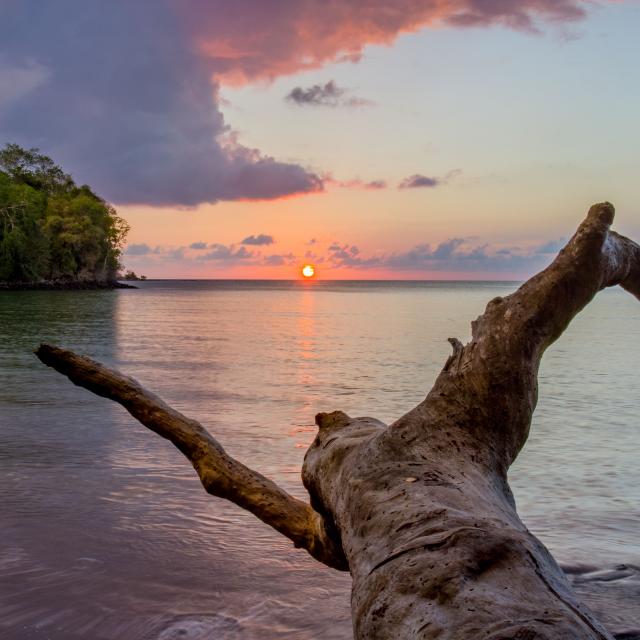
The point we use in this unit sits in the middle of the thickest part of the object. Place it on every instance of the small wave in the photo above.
(612, 593)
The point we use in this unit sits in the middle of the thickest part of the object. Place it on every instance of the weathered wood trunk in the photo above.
(420, 512)
(432, 538)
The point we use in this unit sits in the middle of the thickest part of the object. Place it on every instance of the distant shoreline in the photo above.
(53, 285)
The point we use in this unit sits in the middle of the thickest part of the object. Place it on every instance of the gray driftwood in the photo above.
(420, 512)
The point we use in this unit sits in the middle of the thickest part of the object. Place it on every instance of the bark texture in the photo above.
(420, 512)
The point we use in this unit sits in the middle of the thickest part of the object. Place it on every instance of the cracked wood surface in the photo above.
(420, 512)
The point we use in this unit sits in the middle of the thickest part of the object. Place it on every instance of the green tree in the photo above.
(30, 167)
(49, 227)
(23, 245)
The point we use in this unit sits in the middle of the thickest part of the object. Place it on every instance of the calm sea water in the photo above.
(105, 532)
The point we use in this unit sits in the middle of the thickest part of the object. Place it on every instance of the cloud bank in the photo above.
(456, 255)
(462, 256)
(115, 92)
(125, 94)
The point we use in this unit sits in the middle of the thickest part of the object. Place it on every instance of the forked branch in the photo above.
(220, 474)
(492, 380)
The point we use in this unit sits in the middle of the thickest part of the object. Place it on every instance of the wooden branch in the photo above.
(220, 474)
(541, 309)
(494, 377)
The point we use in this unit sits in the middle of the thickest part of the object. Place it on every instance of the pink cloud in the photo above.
(250, 40)
(356, 183)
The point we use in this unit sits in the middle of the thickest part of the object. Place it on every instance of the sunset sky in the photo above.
(373, 139)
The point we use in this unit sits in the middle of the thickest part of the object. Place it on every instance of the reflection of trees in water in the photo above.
(85, 319)
(54, 444)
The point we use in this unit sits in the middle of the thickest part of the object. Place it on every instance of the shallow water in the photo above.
(106, 532)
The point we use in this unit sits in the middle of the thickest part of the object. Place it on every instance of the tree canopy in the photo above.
(50, 228)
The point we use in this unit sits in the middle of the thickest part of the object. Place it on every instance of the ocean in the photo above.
(106, 532)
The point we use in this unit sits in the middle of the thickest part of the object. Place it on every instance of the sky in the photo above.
(393, 139)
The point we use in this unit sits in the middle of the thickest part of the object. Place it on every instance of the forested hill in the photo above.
(51, 230)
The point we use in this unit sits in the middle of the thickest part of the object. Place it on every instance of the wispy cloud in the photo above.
(418, 181)
(356, 183)
(278, 260)
(226, 253)
(325, 95)
(138, 250)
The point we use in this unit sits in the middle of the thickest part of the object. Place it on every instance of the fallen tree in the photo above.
(420, 512)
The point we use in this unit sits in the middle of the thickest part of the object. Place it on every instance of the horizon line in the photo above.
(312, 281)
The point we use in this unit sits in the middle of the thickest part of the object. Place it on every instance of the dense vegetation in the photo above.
(52, 230)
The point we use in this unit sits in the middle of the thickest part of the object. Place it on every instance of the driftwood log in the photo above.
(420, 512)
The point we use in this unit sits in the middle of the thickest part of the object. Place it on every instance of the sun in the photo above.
(308, 271)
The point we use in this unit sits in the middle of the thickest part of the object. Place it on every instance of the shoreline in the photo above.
(52, 285)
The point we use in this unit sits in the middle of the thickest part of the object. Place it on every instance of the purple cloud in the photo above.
(356, 183)
(418, 181)
(259, 240)
(116, 93)
(227, 253)
(138, 250)
(454, 254)
(279, 260)
(125, 94)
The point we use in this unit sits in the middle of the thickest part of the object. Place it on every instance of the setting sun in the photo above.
(308, 271)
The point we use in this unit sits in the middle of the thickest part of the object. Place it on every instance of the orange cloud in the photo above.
(250, 40)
